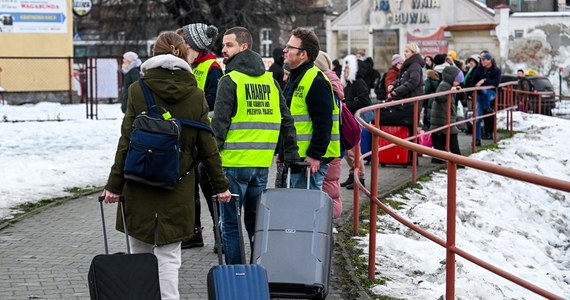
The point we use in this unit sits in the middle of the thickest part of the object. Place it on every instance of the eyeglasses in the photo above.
(289, 47)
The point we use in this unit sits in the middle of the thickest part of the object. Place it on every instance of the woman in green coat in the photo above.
(158, 219)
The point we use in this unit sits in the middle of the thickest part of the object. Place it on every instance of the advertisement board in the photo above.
(33, 16)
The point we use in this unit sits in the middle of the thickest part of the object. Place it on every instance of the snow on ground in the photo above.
(40, 160)
(519, 227)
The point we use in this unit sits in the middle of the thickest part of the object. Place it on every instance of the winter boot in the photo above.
(195, 240)
(351, 186)
(349, 180)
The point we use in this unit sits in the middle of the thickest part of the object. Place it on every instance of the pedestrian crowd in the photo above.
(261, 118)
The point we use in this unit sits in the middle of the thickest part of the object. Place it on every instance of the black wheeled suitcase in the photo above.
(232, 282)
(123, 276)
(294, 241)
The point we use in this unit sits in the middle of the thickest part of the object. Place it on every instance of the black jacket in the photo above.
(410, 80)
(491, 75)
(277, 67)
(356, 93)
(132, 76)
(320, 107)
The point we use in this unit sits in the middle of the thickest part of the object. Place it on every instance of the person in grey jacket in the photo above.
(250, 114)
(452, 78)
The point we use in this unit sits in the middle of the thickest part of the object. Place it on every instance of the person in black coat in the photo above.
(277, 67)
(356, 92)
(337, 68)
(356, 96)
(409, 84)
(131, 72)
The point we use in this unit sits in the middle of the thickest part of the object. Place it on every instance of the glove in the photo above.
(296, 165)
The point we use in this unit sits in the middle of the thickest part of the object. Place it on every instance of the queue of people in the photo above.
(251, 118)
(258, 117)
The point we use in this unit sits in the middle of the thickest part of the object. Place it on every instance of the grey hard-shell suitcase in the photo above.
(294, 242)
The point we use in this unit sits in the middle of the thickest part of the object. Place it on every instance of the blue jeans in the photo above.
(299, 180)
(248, 183)
(484, 98)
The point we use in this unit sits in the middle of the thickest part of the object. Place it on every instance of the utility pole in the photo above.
(348, 4)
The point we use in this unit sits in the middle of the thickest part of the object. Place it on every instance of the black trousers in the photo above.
(438, 139)
(203, 182)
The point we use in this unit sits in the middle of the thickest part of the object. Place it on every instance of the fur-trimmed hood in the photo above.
(351, 60)
(432, 74)
(165, 61)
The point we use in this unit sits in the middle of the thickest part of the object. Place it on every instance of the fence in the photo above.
(59, 79)
(508, 100)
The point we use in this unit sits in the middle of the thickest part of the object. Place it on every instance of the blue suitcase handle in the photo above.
(218, 236)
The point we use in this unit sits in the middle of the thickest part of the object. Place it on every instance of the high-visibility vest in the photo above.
(254, 130)
(303, 122)
(201, 72)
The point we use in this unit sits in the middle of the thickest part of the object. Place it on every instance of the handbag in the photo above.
(349, 128)
(425, 140)
(460, 112)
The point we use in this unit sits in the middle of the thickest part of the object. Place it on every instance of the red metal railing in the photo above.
(505, 101)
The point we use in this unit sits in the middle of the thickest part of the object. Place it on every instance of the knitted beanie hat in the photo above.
(396, 59)
(487, 56)
(323, 61)
(459, 77)
(199, 36)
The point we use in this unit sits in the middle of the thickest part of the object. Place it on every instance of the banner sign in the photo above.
(432, 44)
(33, 16)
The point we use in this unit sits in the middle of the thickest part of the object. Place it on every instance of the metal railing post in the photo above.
(450, 241)
(356, 193)
(373, 206)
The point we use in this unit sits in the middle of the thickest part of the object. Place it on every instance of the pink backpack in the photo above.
(349, 128)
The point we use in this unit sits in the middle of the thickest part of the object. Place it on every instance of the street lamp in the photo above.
(348, 26)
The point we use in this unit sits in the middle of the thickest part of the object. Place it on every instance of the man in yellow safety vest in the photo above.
(250, 115)
(310, 97)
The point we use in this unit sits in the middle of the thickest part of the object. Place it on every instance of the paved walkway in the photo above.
(47, 255)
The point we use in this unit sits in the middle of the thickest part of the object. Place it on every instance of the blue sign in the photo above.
(37, 17)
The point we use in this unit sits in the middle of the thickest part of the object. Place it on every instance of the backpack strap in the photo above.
(149, 99)
(196, 124)
(185, 122)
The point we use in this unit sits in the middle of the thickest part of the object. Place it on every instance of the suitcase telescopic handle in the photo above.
(217, 234)
(307, 166)
(122, 205)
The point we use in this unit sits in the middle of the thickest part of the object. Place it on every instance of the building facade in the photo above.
(538, 40)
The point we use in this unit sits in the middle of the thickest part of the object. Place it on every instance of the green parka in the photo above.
(173, 88)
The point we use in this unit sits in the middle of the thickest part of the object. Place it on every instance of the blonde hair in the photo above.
(413, 47)
(170, 42)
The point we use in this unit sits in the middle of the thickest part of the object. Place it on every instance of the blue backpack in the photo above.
(153, 157)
